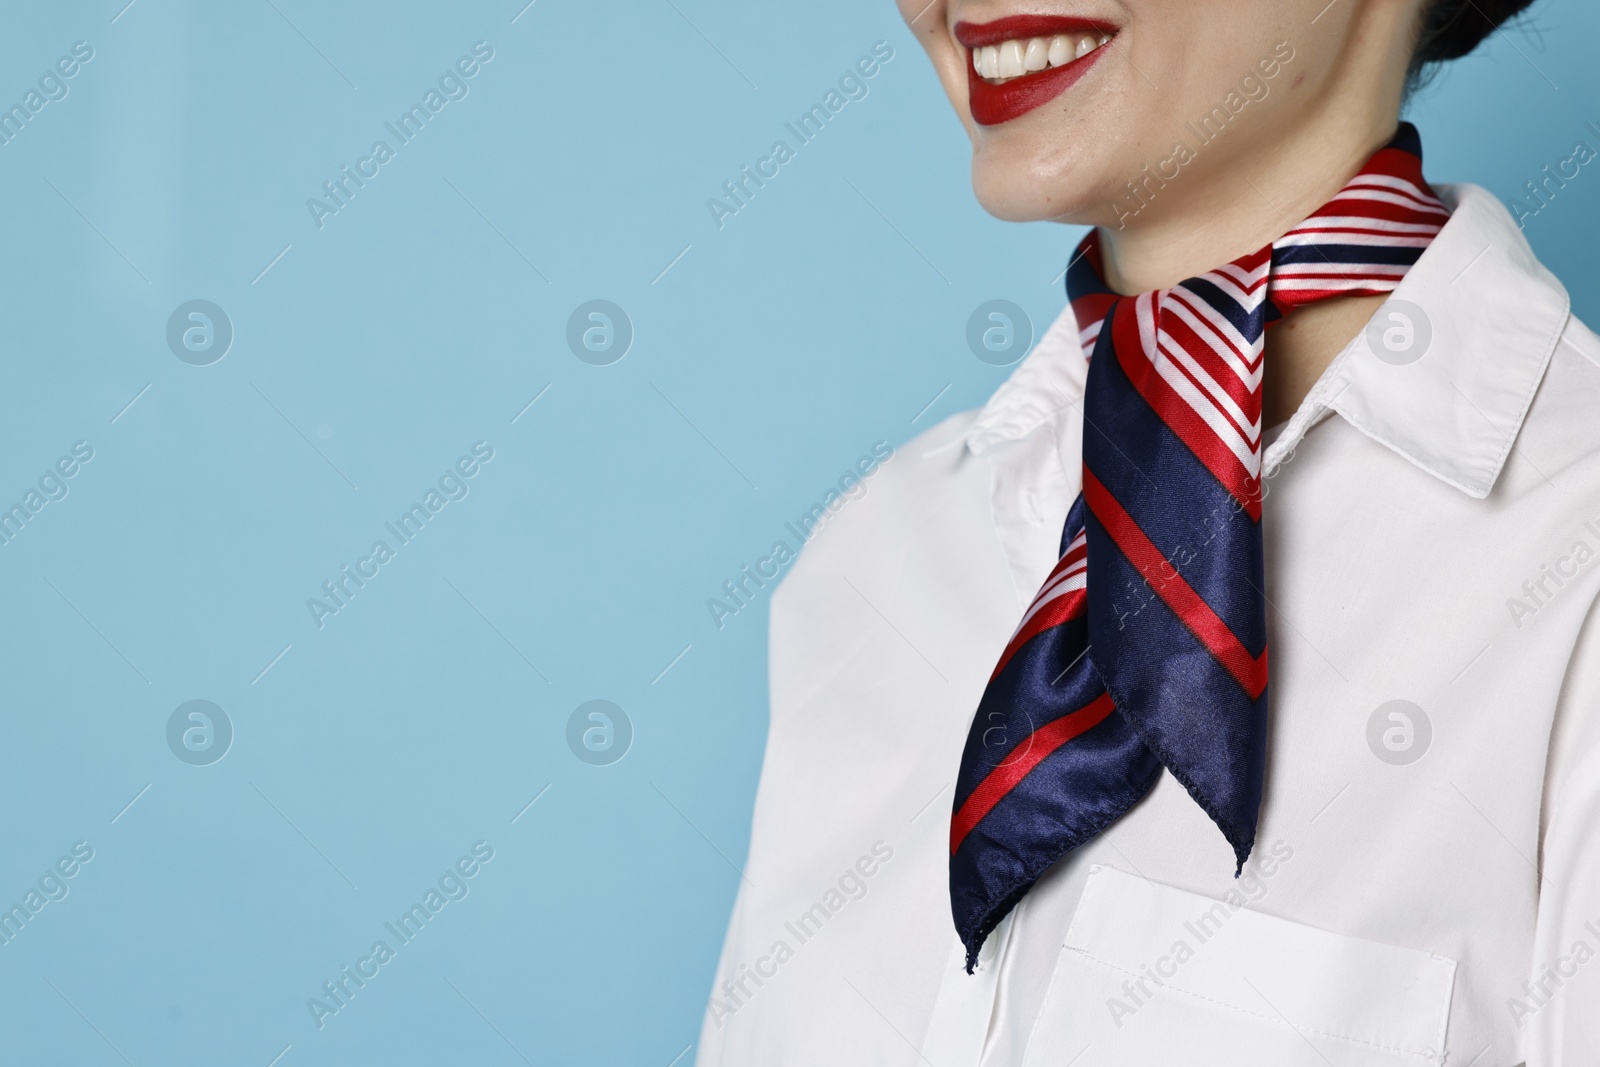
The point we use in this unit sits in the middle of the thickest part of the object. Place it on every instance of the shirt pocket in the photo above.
(1150, 974)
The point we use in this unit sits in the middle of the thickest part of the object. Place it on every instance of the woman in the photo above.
(1329, 410)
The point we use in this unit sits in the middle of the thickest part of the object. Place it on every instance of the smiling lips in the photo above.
(1018, 63)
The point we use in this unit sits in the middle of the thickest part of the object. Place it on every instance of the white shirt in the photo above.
(1392, 911)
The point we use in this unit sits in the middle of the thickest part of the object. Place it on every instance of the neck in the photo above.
(1253, 199)
(1244, 193)
(1242, 213)
(1245, 209)
(1300, 347)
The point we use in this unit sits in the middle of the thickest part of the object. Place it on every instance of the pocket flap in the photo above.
(1320, 982)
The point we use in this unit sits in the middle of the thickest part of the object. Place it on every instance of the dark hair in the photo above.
(1452, 28)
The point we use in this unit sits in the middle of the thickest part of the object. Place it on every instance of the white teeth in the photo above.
(1012, 59)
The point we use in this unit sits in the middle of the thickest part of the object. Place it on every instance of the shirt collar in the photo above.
(1049, 380)
(1493, 315)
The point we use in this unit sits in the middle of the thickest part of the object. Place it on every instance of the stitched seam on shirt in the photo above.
(1328, 387)
(1449, 991)
(1419, 461)
(1538, 380)
(1431, 1056)
(1510, 436)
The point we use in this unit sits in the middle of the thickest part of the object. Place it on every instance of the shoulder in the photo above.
(871, 522)
(940, 482)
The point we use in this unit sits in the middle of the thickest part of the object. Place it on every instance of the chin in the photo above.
(1022, 182)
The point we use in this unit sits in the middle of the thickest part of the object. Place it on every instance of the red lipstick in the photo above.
(993, 104)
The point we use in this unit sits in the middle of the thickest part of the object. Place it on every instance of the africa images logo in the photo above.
(741, 590)
(452, 86)
(740, 190)
(453, 885)
(453, 485)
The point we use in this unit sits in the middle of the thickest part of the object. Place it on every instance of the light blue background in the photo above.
(822, 318)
